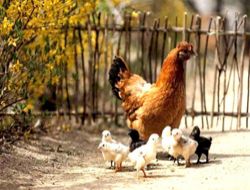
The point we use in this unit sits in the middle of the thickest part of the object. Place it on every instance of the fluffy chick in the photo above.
(143, 155)
(114, 151)
(204, 143)
(182, 146)
(107, 137)
(135, 140)
(167, 139)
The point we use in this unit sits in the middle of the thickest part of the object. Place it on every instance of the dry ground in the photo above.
(71, 161)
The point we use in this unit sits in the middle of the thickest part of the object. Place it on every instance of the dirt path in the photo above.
(71, 161)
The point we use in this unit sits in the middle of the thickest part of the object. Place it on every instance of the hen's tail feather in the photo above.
(118, 66)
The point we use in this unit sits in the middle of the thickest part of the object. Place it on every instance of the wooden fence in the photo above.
(217, 80)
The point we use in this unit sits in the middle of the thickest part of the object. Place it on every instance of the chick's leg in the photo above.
(144, 173)
(198, 160)
(188, 162)
(118, 167)
(206, 153)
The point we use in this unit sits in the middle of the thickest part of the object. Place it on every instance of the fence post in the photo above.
(66, 75)
(142, 28)
(76, 76)
(217, 24)
(184, 38)
(165, 35)
(204, 68)
(90, 76)
(84, 102)
(241, 74)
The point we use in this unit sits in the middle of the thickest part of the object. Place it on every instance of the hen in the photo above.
(150, 107)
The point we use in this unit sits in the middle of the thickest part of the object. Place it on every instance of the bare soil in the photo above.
(70, 160)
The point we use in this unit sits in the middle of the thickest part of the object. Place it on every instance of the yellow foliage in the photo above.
(55, 80)
(28, 108)
(16, 67)
(6, 26)
(12, 41)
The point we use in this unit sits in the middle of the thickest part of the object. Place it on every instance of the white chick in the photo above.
(167, 139)
(114, 151)
(182, 146)
(143, 155)
(107, 137)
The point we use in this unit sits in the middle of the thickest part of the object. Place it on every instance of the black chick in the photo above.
(204, 143)
(135, 140)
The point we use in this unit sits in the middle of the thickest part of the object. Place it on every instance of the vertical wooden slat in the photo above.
(184, 38)
(224, 66)
(156, 48)
(106, 42)
(165, 35)
(204, 69)
(240, 90)
(84, 102)
(234, 66)
(175, 33)
(118, 53)
(112, 103)
(76, 77)
(126, 26)
(129, 38)
(198, 62)
(90, 70)
(66, 76)
(142, 26)
(97, 63)
(217, 25)
(190, 28)
(248, 88)
(184, 32)
(150, 52)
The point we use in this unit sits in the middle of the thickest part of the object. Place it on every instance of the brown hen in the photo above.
(150, 107)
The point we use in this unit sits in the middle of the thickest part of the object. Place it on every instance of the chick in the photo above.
(135, 140)
(182, 146)
(167, 141)
(114, 151)
(107, 137)
(204, 143)
(143, 155)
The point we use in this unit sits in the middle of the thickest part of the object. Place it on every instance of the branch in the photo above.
(10, 104)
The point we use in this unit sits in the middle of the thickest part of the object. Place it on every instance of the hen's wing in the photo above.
(127, 86)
